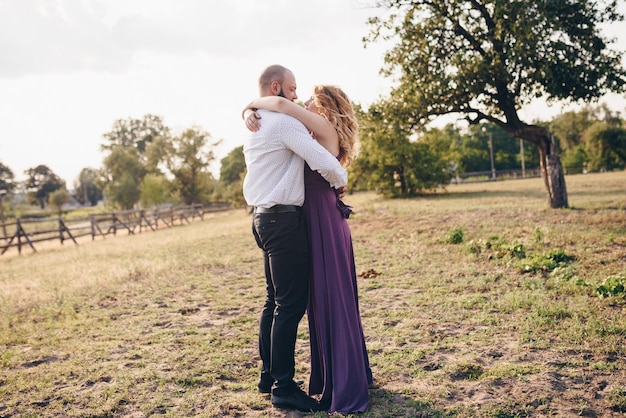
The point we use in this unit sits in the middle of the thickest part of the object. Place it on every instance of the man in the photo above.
(274, 186)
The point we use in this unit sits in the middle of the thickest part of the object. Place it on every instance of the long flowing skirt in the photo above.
(340, 369)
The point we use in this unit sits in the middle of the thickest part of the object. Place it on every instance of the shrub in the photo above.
(455, 236)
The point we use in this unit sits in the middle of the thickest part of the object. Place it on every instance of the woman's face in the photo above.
(310, 105)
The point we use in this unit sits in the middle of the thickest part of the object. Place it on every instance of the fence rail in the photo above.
(29, 231)
(478, 176)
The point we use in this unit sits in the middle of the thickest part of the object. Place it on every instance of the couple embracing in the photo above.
(296, 159)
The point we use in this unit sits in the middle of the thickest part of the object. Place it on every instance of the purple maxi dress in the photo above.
(340, 369)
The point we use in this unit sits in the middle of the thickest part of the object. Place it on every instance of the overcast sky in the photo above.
(70, 68)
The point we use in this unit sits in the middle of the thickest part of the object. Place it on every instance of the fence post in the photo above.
(60, 228)
(19, 232)
(19, 236)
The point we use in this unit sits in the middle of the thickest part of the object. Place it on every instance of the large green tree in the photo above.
(120, 177)
(568, 127)
(486, 59)
(390, 162)
(58, 198)
(189, 161)
(128, 158)
(605, 147)
(86, 188)
(135, 133)
(156, 189)
(41, 181)
(590, 138)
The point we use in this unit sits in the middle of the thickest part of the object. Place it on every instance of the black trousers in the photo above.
(284, 241)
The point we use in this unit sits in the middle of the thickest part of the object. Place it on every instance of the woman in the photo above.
(340, 370)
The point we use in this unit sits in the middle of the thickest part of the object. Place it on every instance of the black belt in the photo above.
(277, 209)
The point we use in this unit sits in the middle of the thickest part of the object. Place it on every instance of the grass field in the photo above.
(476, 302)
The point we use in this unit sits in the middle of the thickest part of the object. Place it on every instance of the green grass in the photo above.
(476, 302)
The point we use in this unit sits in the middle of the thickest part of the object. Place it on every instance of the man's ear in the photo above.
(275, 88)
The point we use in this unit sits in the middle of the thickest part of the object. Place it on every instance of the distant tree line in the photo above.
(396, 162)
(145, 165)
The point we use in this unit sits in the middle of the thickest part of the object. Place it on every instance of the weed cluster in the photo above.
(613, 286)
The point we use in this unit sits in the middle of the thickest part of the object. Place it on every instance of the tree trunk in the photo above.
(553, 175)
(400, 178)
(551, 168)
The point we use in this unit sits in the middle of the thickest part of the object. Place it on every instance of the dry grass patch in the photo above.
(477, 302)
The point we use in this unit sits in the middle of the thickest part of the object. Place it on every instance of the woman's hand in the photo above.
(251, 119)
(341, 192)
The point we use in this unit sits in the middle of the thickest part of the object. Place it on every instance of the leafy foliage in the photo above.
(568, 128)
(7, 184)
(232, 173)
(156, 189)
(612, 286)
(524, 259)
(390, 162)
(546, 262)
(233, 166)
(126, 162)
(140, 147)
(455, 236)
(86, 188)
(487, 58)
(189, 164)
(593, 137)
(121, 177)
(135, 133)
(498, 248)
(605, 147)
(41, 182)
(7, 180)
(58, 198)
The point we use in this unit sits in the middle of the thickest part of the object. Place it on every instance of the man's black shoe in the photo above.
(325, 403)
(297, 400)
(265, 387)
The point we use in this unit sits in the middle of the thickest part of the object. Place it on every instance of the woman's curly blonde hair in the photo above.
(335, 105)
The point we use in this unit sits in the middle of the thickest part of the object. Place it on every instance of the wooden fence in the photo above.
(478, 176)
(29, 231)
